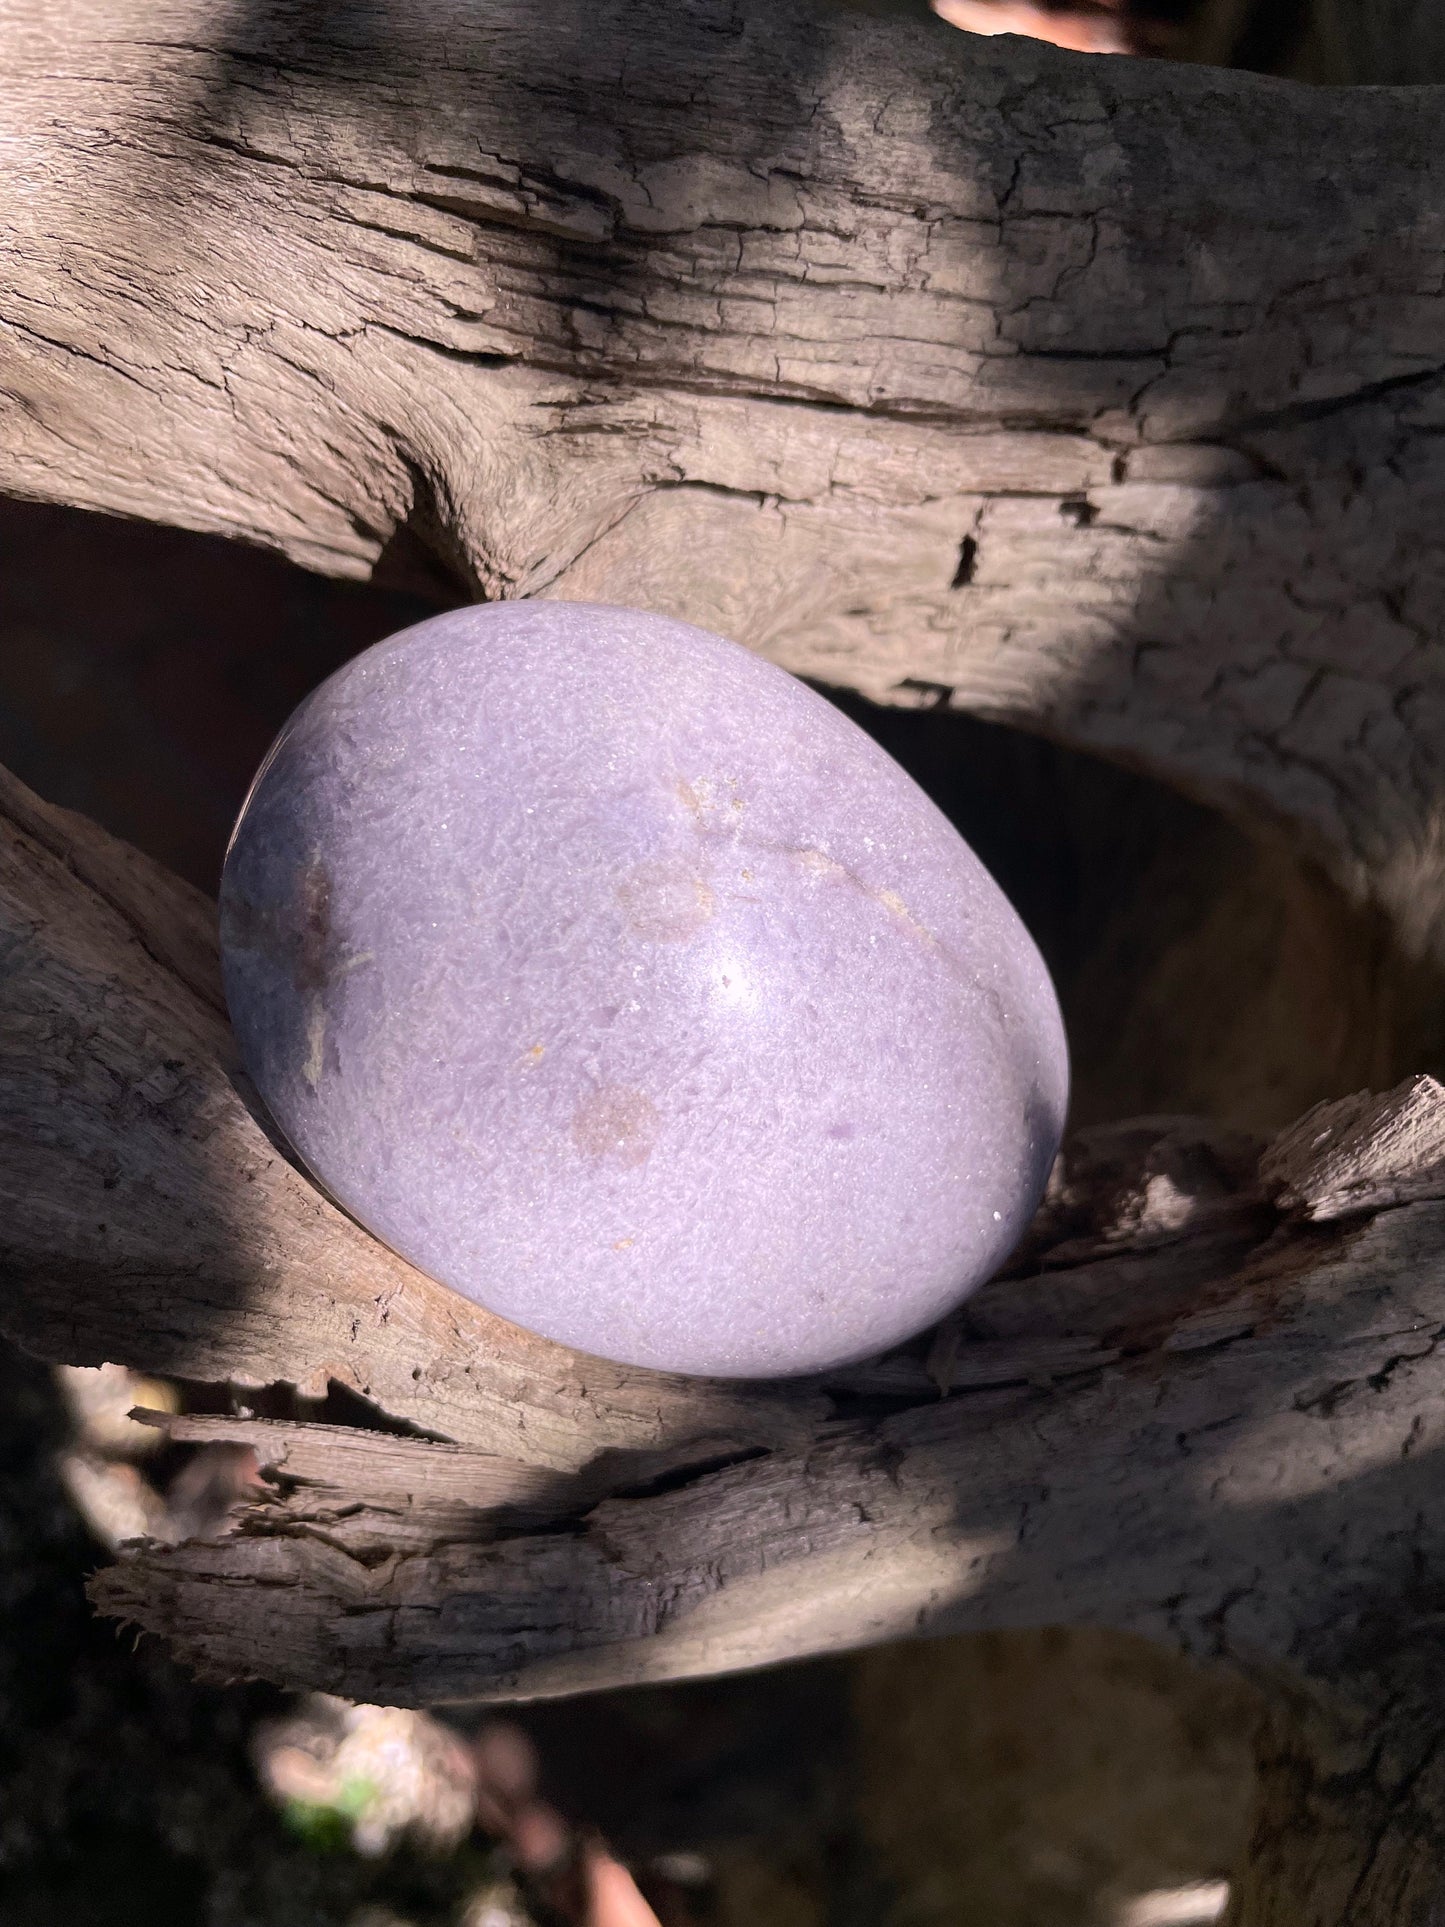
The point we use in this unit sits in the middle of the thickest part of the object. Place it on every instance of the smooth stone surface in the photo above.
(615, 979)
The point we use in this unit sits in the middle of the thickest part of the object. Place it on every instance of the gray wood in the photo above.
(1098, 396)
(1247, 1467)
(787, 321)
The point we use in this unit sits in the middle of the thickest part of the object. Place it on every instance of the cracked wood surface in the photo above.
(1077, 392)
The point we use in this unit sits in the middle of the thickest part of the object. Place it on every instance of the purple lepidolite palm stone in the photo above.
(619, 982)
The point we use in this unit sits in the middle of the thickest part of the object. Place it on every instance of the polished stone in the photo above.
(619, 982)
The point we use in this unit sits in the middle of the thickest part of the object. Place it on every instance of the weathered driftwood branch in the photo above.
(1197, 1430)
(1093, 394)
(1206, 1404)
(1097, 396)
